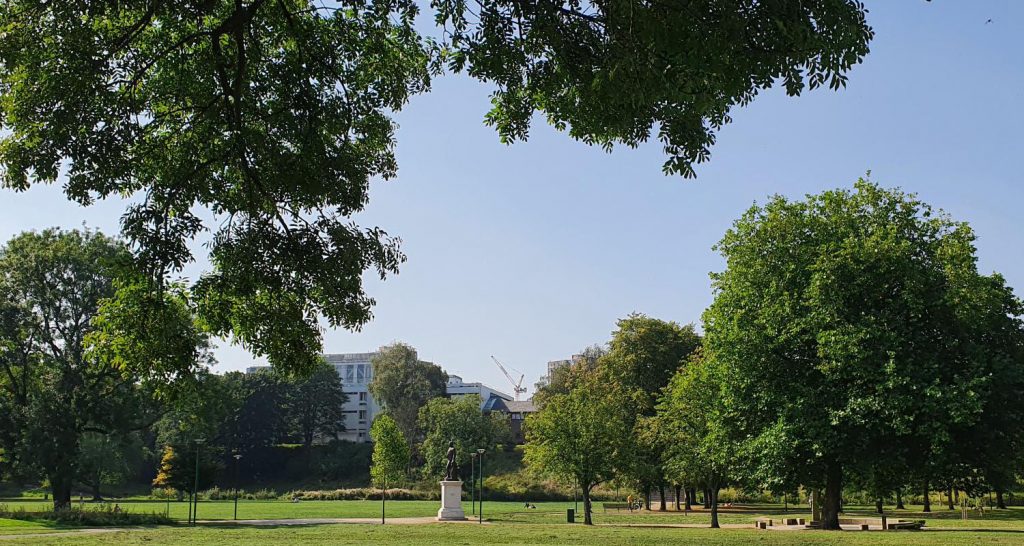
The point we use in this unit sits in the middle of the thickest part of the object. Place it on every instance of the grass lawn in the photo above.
(511, 523)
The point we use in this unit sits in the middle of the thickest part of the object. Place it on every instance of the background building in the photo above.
(356, 372)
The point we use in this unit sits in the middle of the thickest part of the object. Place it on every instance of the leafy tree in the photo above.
(703, 449)
(390, 455)
(274, 117)
(54, 288)
(563, 378)
(444, 420)
(402, 384)
(316, 405)
(643, 355)
(581, 435)
(839, 322)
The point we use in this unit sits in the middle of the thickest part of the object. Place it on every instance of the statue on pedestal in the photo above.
(451, 489)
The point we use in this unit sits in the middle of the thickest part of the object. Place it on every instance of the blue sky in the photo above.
(532, 252)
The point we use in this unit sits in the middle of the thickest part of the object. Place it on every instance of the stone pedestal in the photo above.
(451, 502)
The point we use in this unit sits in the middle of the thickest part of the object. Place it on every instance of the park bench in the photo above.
(614, 506)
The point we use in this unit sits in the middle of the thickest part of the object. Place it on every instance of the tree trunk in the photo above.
(587, 508)
(927, 499)
(679, 490)
(833, 497)
(60, 485)
(661, 491)
(878, 506)
(707, 498)
(688, 501)
(949, 497)
(96, 496)
(899, 500)
(1000, 502)
(647, 498)
(714, 506)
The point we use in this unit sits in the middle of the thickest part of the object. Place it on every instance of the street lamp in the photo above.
(195, 486)
(237, 456)
(480, 452)
(472, 481)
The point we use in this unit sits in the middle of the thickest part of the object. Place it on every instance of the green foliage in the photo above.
(402, 384)
(107, 516)
(316, 405)
(274, 116)
(610, 72)
(703, 448)
(848, 324)
(271, 118)
(582, 435)
(645, 353)
(390, 452)
(54, 287)
(444, 420)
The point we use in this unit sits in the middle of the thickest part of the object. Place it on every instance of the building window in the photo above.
(362, 415)
(360, 374)
(362, 397)
(349, 374)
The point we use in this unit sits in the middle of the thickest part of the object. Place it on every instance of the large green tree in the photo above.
(265, 120)
(644, 353)
(582, 435)
(402, 384)
(702, 445)
(62, 377)
(841, 321)
(316, 406)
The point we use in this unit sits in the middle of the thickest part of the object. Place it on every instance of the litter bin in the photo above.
(570, 515)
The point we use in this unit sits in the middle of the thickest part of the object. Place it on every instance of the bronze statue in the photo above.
(451, 470)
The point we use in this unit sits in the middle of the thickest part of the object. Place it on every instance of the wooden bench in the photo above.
(614, 506)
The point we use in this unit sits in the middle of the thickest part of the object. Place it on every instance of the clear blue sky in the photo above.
(531, 252)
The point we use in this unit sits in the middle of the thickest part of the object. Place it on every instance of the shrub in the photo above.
(105, 516)
(362, 493)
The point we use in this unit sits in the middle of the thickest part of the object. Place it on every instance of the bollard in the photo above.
(570, 516)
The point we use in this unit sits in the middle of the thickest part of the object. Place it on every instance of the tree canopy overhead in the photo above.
(272, 116)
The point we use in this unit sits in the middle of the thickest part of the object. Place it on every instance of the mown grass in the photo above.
(510, 522)
(468, 534)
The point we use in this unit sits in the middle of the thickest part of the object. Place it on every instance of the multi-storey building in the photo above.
(356, 372)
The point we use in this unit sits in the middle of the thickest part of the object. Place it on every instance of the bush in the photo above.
(106, 516)
(362, 493)
(164, 493)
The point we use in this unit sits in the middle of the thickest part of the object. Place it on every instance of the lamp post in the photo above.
(480, 452)
(195, 486)
(472, 481)
(237, 456)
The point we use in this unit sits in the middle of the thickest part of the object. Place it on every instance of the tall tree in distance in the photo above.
(390, 455)
(222, 106)
(316, 406)
(643, 355)
(402, 384)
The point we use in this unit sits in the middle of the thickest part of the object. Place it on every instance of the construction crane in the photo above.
(517, 386)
